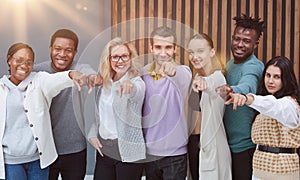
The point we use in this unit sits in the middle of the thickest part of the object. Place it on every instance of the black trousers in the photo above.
(242, 165)
(70, 166)
(111, 169)
(169, 167)
(193, 154)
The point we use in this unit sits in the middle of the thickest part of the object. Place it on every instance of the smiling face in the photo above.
(163, 49)
(272, 79)
(243, 43)
(120, 60)
(200, 53)
(21, 64)
(62, 53)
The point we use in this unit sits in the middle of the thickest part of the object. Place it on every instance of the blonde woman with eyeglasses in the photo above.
(117, 132)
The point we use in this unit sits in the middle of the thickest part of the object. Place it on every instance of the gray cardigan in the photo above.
(128, 114)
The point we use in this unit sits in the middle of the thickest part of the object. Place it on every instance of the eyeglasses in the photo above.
(124, 57)
(21, 61)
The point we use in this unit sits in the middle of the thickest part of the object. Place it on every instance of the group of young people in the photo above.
(141, 123)
(261, 120)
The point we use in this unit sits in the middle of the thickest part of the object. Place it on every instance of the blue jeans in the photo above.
(26, 171)
(170, 167)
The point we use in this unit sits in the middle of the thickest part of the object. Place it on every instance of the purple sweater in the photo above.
(164, 121)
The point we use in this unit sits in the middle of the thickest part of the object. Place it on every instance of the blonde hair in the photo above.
(105, 69)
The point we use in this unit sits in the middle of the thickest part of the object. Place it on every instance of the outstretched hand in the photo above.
(199, 84)
(126, 87)
(236, 100)
(167, 69)
(224, 91)
(93, 81)
(79, 79)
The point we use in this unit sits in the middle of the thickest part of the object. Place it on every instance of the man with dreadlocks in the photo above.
(243, 74)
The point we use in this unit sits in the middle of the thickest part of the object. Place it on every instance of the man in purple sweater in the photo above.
(164, 122)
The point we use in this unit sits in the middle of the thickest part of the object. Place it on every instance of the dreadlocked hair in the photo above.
(250, 23)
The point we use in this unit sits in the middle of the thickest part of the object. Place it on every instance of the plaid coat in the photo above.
(269, 132)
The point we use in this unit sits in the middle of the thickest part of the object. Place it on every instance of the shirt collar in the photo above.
(152, 73)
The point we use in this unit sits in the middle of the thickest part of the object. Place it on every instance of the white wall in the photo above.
(34, 21)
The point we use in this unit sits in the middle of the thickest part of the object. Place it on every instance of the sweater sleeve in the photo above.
(138, 89)
(94, 129)
(213, 81)
(93, 132)
(52, 84)
(250, 77)
(283, 110)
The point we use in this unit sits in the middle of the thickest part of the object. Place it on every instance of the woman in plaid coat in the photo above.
(276, 130)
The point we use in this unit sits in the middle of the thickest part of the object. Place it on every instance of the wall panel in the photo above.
(214, 17)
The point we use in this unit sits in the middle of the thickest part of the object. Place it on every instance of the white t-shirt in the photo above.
(107, 126)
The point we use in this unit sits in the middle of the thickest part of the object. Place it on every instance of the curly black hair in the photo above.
(249, 22)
